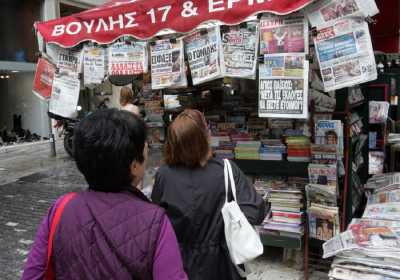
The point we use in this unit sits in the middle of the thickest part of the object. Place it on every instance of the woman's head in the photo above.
(126, 96)
(110, 150)
(188, 140)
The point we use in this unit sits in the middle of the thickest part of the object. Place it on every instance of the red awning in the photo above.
(143, 19)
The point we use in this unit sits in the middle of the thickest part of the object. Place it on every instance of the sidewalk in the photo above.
(30, 181)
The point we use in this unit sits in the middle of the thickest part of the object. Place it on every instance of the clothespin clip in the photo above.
(370, 20)
(203, 32)
(314, 32)
(243, 25)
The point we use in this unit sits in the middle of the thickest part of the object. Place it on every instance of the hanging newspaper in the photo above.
(203, 51)
(283, 34)
(167, 64)
(67, 61)
(127, 59)
(345, 54)
(239, 51)
(94, 65)
(328, 11)
(283, 87)
(64, 96)
(44, 75)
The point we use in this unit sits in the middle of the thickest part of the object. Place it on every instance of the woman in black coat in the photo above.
(191, 189)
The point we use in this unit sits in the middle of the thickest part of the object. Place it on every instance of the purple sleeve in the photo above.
(36, 264)
(168, 262)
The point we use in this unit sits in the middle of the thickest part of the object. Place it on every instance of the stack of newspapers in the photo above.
(370, 247)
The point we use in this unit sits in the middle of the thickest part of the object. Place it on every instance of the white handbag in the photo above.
(243, 241)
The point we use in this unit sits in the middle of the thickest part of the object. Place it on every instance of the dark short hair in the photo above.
(187, 140)
(105, 145)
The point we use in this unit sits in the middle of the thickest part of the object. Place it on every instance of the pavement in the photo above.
(31, 180)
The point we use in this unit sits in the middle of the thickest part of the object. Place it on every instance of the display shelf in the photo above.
(278, 168)
(280, 241)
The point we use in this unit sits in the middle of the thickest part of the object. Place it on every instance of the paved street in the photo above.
(30, 181)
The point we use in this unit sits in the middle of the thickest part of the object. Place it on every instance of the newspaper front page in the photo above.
(66, 60)
(94, 65)
(127, 59)
(239, 51)
(283, 34)
(203, 53)
(167, 64)
(374, 236)
(345, 54)
(328, 11)
(64, 96)
(283, 86)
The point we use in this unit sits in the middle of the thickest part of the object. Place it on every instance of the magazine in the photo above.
(330, 132)
(203, 53)
(167, 64)
(283, 86)
(94, 65)
(324, 154)
(321, 195)
(323, 174)
(64, 95)
(345, 54)
(378, 111)
(127, 58)
(323, 222)
(376, 162)
(283, 34)
(328, 11)
(156, 134)
(355, 95)
(239, 50)
(171, 101)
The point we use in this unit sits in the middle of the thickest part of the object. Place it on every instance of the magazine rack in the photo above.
(281, 168)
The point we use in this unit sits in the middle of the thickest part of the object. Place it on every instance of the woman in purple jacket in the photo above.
(110, 231)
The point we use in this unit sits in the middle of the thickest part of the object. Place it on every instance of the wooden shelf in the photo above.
(276, 168)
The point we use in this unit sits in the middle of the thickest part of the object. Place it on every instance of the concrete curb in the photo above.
(6, 149)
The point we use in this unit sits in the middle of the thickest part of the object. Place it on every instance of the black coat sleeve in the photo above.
(250, 202)
(157, 193)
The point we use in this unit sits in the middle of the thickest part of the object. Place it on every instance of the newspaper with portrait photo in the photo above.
(283, 34)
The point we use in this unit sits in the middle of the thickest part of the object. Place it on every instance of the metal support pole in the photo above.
(51, 137)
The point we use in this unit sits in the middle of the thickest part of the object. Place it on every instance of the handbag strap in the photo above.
(49, 275)
(228, 175)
